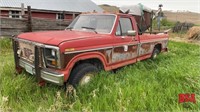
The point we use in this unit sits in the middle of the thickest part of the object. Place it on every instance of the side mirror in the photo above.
(131, 33)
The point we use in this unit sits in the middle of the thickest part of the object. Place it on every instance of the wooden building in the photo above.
(50, 9)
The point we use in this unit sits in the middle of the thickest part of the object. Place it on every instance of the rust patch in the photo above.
(108, 54)
(121, 49)
(122, 54)
(146, 46)
(135, 48)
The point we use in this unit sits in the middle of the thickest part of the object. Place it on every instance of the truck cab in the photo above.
(92, 42)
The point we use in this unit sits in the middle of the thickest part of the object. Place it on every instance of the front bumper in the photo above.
(46, 74)
(53, 77)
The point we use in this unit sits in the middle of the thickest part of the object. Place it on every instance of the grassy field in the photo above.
(144, 86)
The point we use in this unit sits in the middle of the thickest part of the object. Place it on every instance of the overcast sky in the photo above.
(187, 5)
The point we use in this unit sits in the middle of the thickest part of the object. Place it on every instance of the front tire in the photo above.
(82, 74)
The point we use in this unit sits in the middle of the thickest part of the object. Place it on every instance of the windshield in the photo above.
(95, 23)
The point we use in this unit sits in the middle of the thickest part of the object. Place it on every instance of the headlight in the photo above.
(52, 56)
(53, 53)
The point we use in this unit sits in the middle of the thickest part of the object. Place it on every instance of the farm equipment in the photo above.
(143, 16)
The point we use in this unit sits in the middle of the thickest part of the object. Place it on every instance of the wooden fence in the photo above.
(13, 26)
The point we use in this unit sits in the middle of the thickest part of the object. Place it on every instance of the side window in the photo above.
(124, 26)
(60, 16)
(14, 14)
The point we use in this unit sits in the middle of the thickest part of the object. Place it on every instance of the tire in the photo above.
(82, 74)
(155, 53)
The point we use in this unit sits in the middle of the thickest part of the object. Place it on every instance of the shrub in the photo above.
(165, 24)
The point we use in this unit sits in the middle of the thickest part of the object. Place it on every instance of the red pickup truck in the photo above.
(90, 43)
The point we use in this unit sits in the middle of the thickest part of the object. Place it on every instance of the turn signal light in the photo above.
(53, 62)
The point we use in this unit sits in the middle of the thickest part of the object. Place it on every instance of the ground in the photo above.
(145, 86)
(182, 37)
(183, 17)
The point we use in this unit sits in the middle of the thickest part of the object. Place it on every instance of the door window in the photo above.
(124, 26)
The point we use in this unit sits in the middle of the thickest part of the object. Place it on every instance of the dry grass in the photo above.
(194, 33)
(182, 37)
(108, 8)
(183, 17)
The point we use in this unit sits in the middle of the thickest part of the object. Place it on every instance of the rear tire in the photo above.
(155, 53)
(82, 74)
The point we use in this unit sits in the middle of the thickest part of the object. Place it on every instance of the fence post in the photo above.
(22, 10)
(29, 19)
(73, 16)
(63, 14)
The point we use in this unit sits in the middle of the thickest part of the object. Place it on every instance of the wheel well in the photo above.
(94, 61)
(158, 46)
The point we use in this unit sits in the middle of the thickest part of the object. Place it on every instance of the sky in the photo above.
(174, 5)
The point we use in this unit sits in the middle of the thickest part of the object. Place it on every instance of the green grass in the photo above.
(144, 86)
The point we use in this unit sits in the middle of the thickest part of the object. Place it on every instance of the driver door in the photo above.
(125, 47)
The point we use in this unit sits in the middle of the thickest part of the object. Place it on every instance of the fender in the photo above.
(84, 56)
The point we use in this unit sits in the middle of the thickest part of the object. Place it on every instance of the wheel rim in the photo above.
(155, 55)
(86, 79)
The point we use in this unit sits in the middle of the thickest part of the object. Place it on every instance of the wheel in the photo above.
(82, 74)
(155, 53)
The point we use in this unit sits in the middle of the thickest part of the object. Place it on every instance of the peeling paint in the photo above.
(122, 53)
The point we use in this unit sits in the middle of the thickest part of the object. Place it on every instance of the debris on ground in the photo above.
(182, 27)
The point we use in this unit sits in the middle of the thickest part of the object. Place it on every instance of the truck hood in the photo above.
(56, 37)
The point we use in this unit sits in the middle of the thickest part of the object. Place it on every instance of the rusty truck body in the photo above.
(90, 43)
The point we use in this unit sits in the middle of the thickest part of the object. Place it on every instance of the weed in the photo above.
(5, 43)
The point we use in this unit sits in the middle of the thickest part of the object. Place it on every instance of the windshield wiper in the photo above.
(93, 29)
(69, 28)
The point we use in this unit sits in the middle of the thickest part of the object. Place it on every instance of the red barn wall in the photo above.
(68, 16)
(49, 15)
(4, 13)
(44, 15)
